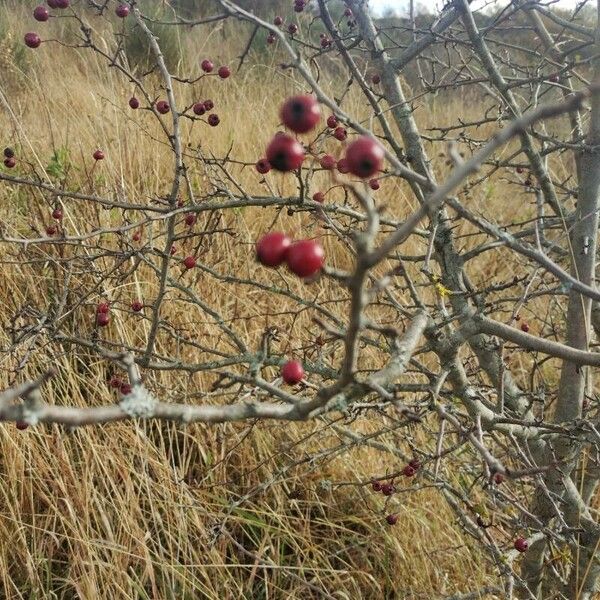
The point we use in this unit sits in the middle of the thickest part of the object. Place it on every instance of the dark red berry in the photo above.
(387, 489)
(408, 471)
(374, 184)
(332, 122)
(327, 162)
(207, 65)
(213, 120)
(98, 155)
(365, 157)
(391, 519)
(263, 166)
(524, 327)
(498, 478)
(134, 102)
(340, 134)
(102, 319)
(57, 214)
(208, 105)
(189, 262)
(292, 28)
(62, 3)
(9, 152)
(32, 40)
(137, 236)
(376, 79)
(199, 108)
(319, 197)
(122, 10)
(10, 163)
(40, 13)
(163, 107)
(102, 308)
(190, 219)
(125, 389)
(520, 170)
(21, 425)
(271, 38)
(305, 258)
(51, 230)
(285, 153)
(224, 72)
(278, 21)
(376, 486)
(300, 113)
(115, 382)
(521, 544)
(272, 248)
(292, 372)
(136, 306)
(342, 166)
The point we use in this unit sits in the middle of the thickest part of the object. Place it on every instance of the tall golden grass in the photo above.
(134, 510)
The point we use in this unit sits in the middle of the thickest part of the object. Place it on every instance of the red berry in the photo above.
(213, 120)
(190, 219)
(376, 79)
(125, 389)
(408, 471)
(325, 42)
(115, 382)
(365, 157)
(415, 463)
(134, 102)
(340, 134)
(554, 78)
(300, 113)
(57, 214)
(52, 3)
(102, 308)
(284, 153)
(10, 163)
(332, 122)
(391, 519)
(189, 262)
(524, 327)
(319, 197)
(199, 108)
(40, 13)
(32, 40)
(272, 248)
(98, 155)
(62, 3)
(224, 72)
(122, 10)
(208, 105)
(9, 152)
(136, 306)
(137, 236)
(387, 489)
(376, 486)
(278, 21)
(305, 258)
(520, 170)
(347, 12)
(521, 544)
(292, 372)
(21, 425)
(173, 249)
(51, 230)
(163, 107)
(292, 28)
(498, 478)
(374, 184)
(271, 38)
(263, 166)
(102, 319)
(207, 65)
(342, 166)
(327, 162)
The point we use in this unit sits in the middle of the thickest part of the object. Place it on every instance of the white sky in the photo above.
(401, 5)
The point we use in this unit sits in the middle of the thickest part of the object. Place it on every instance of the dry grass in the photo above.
(130, 511)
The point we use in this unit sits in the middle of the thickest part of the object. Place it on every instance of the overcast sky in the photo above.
(400, 5)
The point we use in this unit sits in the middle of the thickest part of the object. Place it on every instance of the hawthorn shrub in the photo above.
(450, 327)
